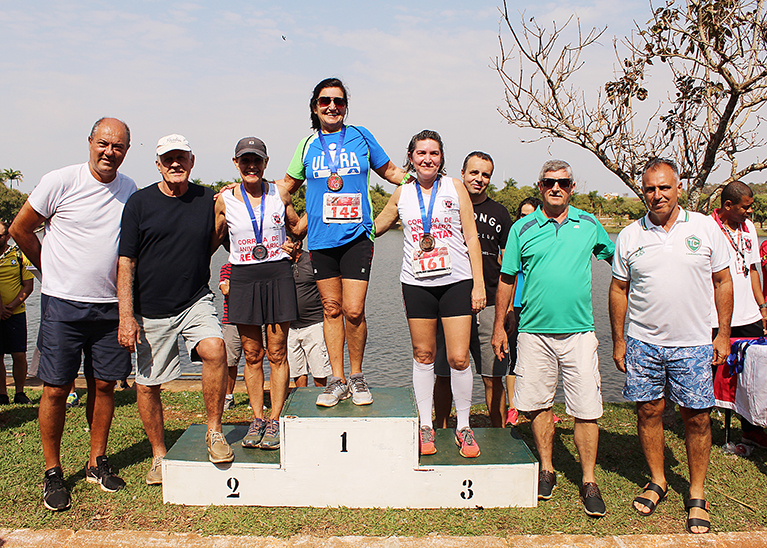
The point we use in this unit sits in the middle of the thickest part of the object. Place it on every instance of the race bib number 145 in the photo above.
(342, 208)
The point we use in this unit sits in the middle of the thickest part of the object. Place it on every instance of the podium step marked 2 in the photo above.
(353, 456)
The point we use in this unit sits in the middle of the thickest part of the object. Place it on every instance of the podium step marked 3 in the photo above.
(353, 456)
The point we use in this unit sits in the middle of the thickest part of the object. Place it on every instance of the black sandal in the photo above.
(697, 522)
(655, 488)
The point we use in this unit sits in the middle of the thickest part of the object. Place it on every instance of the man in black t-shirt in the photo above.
(166, 239)
(493, 225)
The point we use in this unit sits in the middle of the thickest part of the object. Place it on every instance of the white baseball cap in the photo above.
(172, 142)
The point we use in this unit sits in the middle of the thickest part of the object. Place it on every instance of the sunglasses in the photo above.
(325, 101)
(564, 184)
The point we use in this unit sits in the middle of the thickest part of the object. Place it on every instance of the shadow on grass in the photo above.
(139, 451)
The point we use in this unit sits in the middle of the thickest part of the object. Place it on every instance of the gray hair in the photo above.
(98, 123)
(555, 165)
(654, 163)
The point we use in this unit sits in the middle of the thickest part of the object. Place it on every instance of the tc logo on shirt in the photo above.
(693, 243)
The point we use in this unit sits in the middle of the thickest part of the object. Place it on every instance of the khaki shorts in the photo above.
(540, 357)
(233, 344)
(158, 353)
(307, 352)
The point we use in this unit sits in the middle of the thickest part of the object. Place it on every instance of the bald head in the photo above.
(108, 143)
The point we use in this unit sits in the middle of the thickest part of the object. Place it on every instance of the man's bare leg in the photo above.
(495, 397)
(697, 428)
(653, 442)
(51, 415)
(99, 410)
(149, 405)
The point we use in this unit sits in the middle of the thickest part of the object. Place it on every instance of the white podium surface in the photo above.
(353, 456)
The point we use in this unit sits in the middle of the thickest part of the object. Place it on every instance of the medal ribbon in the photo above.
(740, 253)
(332, 161)
(426, 216)
(246, 199)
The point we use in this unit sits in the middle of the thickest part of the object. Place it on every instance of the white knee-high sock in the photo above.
(423, 386)
(462, 382)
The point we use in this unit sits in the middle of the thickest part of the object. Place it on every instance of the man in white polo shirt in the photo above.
(663, 269)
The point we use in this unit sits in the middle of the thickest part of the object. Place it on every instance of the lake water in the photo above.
(388, 355)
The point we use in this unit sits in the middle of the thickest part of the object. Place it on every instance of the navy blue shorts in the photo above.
(72, 331)
(13, 334)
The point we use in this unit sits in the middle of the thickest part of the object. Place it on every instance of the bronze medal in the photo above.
(259, 252)
(335, 182)
(427, 242)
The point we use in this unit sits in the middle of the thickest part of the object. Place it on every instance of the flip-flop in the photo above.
(697, 522)
(655, 488)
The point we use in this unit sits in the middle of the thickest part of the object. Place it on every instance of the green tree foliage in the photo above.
(380, 198)
(760, 209)
(299, 200)
(11, 175)
(510, 196)
(11, 201)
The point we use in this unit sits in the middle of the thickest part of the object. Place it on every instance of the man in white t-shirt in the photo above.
(81, 206)
(749, 311)
(663, 269)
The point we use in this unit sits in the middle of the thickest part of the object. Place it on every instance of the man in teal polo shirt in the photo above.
(553, 248)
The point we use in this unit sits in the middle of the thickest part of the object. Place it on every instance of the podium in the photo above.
(353, 456)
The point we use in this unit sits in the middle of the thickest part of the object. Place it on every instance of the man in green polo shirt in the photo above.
(553, 248)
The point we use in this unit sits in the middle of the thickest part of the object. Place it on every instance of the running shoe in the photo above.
(103, 475)
(464, 439)
(55, 493)
(555, 418)
(426, 440)
(512, 416)
(73, 400)
(255, 433)
(359, 388)
(154, 476)
(218, 449)
(271, 439)
(228, 403)
(335, 391)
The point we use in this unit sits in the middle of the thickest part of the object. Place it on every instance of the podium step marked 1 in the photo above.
(353, 456)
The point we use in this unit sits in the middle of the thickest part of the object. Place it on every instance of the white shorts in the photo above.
(539, 359)
(158, 360)
(233, 344)
(307, 352)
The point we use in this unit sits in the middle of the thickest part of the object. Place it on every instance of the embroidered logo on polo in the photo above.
(693, 243)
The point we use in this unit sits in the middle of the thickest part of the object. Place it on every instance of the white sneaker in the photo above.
(359, 388)
(335, 391)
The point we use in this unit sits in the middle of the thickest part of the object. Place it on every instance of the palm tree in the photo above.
(11, 175)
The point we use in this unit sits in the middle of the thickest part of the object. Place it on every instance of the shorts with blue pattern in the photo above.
(686, 368)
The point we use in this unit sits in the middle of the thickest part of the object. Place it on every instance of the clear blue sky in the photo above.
(216, 72)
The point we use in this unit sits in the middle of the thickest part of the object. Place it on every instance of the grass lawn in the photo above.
(736, 486)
